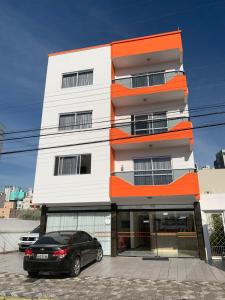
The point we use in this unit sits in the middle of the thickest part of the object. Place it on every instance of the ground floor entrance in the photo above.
(138, 230)
(157, 233)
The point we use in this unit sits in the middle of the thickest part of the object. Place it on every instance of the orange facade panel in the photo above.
(182, 130)
(148, 44)
(184, 186)
(177, 83)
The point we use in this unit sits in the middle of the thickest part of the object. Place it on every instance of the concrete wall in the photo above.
(212, 181)
(11, 230)
(84, 188)
(170, 65)
(212, 198)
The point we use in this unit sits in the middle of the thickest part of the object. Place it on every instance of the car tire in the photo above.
(33, 274)
(75, 271)
(99, 254)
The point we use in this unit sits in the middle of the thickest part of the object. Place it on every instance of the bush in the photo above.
(29, 214)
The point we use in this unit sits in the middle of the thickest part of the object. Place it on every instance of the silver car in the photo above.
(29, 239)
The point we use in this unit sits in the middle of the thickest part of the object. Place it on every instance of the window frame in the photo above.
(70, 155)
(151, 171)
(77, 72)
(75, 113)
(150, 122)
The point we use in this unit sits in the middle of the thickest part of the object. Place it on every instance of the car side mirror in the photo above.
(94, 239)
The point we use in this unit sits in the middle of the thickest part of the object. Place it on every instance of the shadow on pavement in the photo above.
(219, 264)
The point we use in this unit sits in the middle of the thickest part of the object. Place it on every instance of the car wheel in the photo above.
(99, 255)
(75, 267)
(33, 274)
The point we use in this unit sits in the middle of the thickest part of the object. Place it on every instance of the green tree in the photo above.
(29, 214)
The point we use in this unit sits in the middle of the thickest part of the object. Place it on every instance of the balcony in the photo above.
(157, 48)
(154, 183)
(141, 134)
(149, 88)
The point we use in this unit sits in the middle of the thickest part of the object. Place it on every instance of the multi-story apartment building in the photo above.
(121, 162)
(219, 163)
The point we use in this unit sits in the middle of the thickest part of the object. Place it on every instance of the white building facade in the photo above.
(212, 200)
(116, 156)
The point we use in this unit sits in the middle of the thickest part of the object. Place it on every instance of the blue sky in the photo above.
(29, 30)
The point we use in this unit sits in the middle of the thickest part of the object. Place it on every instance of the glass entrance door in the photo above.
(157, 233)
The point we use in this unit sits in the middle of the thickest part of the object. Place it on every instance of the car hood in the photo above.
(30, 235)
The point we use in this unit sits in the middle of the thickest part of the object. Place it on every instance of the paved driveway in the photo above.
(179, 269)
(119, 278)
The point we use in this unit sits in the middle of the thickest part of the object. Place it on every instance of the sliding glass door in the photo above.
(157, 233)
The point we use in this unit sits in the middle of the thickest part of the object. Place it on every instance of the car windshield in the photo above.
(36, 230)
(55, 238)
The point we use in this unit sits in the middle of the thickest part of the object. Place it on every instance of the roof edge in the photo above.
(112, 43)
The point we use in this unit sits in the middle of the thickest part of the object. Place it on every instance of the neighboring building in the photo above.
(219, 163)
(2, 199)
(27, 202)
(2, 129)
(6, 210)
(212, 200)
(14, 193)
(13, 199)
(137, 191)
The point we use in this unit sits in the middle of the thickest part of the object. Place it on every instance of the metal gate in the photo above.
(216, 234)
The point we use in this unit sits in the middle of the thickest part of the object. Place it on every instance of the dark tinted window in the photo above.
(55, 239)
(85, 237)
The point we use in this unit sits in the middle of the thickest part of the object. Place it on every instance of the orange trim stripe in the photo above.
(116, 43)
(185, 185)
(116, 133)
(178, 82)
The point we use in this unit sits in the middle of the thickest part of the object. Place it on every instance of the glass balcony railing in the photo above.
(148, 125)
(147, 79)
(152, 177)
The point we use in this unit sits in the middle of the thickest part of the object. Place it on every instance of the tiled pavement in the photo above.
(118, 278)
(107, 288)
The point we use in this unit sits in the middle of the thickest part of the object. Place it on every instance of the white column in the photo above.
(206, 236)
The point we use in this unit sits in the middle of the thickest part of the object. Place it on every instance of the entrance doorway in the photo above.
(157, 233)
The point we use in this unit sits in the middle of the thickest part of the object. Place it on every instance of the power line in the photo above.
(115, 125)
(216, 105)
(110, 140)
(81, 102)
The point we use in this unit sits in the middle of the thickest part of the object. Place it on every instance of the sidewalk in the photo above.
(107, 288)
(118, 278)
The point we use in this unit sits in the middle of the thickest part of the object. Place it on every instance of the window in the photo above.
(79, 78)
(72, 165)
(152, 171)
(150, 123)
(77, 120)
(148, 79)
(55, 238)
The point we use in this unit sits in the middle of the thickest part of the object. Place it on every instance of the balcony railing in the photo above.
(152, 177)
(147, 79)
(149, 126)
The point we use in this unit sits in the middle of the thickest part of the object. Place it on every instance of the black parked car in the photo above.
(62, 252)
